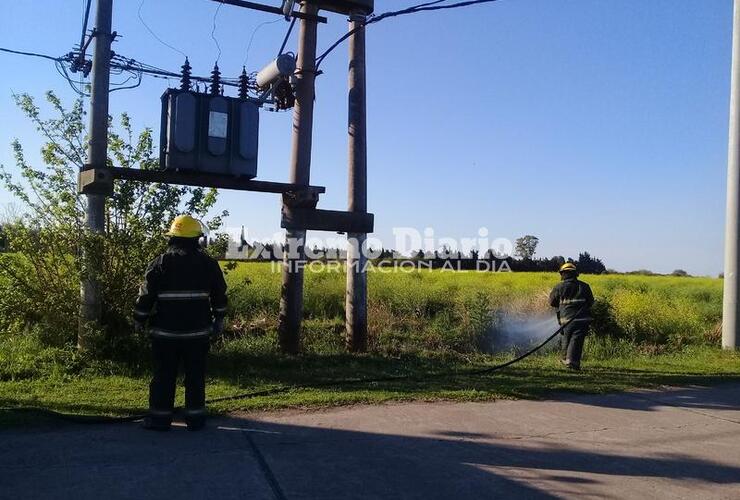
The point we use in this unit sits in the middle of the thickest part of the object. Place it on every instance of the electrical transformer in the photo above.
(365, 7)
(209, 133)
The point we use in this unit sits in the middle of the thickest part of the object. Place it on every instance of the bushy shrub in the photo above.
(651, 317)
(26, 356)
(41, 276)
(604, 323)
(477, 317)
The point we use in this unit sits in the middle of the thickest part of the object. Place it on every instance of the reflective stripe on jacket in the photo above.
(182, 293)
(166, 334)
(573, 299)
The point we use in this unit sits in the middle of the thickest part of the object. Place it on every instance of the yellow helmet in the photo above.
(185, 226)
(568, 266)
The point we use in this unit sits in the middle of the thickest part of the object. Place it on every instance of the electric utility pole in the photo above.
(356, 294)
(730, 308)
(291, 295)
(97, 157)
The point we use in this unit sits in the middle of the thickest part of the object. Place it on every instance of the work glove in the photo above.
(139, 327)
(218, 327)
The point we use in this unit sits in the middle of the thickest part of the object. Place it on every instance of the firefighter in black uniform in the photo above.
(573, 299)
(183, 299)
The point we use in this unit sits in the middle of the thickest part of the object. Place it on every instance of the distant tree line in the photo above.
(647, 272)
(444, 258)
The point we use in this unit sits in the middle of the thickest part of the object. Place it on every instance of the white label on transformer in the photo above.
(217, 124)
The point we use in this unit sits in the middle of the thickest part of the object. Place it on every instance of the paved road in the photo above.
(674, 443)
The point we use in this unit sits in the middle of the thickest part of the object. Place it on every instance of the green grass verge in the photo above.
(648, 331)
(535, 377)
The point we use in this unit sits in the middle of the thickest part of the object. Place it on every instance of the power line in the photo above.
(251, 38)
(31, 54)
(86, 18)
(78, 66)
(119, 65)
(423, 7)
(151, 32)
(138, 82)
(213, 32)
(74, 85)
(58, 65)
(125, 64)
(287, 36)
(136, 69)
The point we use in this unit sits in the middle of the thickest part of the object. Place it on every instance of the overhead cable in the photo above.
(423, 7)
(156, 37)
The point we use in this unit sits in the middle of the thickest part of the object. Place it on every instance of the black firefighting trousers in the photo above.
(168, 354)
(571, 343)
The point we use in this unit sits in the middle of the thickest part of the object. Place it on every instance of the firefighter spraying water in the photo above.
(183, 303)
(573, 299)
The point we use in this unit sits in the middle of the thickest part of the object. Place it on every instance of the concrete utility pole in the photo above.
(356, 294)
(97, 156)
(730, 310)
(291, 295)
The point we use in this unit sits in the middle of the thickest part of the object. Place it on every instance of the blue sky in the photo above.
(596, 125)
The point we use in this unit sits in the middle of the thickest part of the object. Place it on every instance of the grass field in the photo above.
(444, 310)
(429, 326)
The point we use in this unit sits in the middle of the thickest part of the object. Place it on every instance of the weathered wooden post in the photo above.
(356, 293)
(291, 295)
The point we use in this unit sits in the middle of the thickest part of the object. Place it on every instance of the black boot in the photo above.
(196, 425)
(152, 425)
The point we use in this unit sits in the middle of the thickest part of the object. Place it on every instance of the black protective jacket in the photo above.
(183, 292)
(573, 299)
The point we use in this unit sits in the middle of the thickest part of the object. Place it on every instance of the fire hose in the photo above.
(96, 419)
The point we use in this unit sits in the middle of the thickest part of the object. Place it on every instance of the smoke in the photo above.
(508, 332)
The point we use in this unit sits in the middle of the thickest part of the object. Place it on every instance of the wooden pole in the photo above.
(291, 297)
(356, 293)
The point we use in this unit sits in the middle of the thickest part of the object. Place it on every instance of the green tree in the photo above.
(44, 268)
(589, 265)
(526, 246)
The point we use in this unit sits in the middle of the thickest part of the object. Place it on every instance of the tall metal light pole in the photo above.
(291, 295)
(356, 294)
(97, 157)
(730, 308)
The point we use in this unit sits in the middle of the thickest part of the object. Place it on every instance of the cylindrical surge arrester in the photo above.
(283, 66)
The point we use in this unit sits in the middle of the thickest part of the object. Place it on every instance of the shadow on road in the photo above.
(248, 458)
(695, 397)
